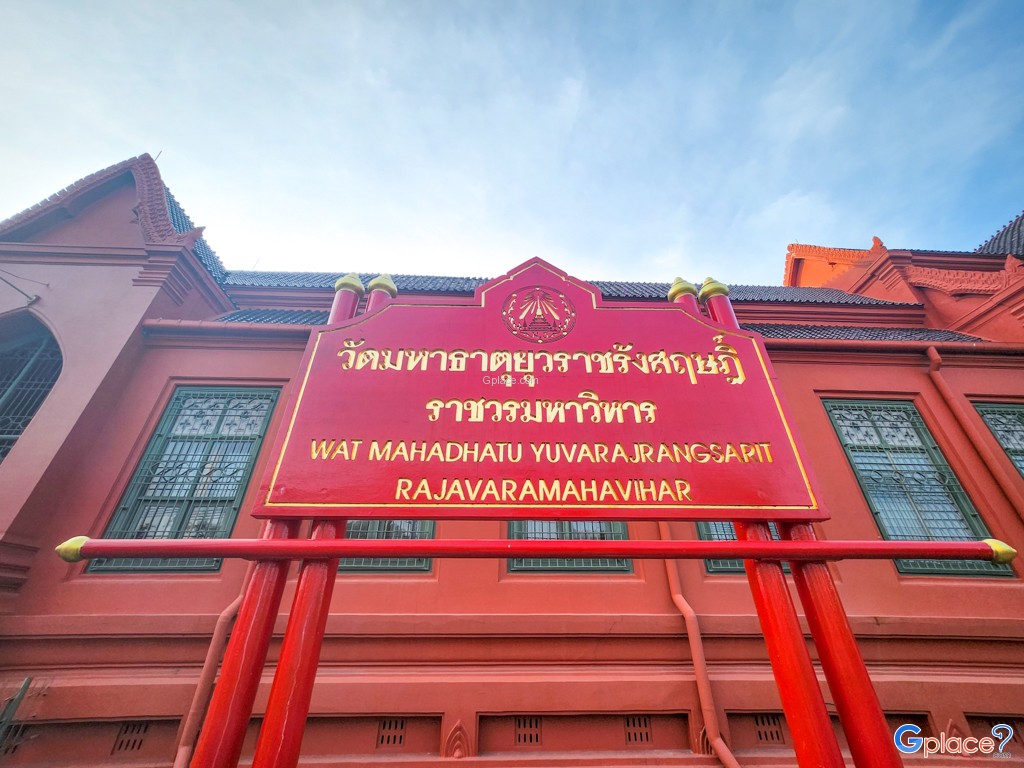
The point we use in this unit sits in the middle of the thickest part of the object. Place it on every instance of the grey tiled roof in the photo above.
(609, 289)
(277, 316)
(742, 293)
(786, 293)
(1009, 239)
(768, 330)
(870, 333)
(410, 283)
(182, 223)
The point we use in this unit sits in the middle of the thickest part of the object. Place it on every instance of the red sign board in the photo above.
(535, 399)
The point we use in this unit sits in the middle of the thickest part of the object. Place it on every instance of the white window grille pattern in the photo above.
(571, 530)
(723, 530)
(387, 529)
(193, 474)
(907, 482)
(1007, 424)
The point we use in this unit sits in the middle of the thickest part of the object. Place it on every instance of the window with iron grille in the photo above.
(1007, 424)
(387, 529)
(193, 475)
(723, 530)
(907, 482)
(569, 529)
(30, 362)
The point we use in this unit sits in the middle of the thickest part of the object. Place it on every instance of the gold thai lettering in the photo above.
(729, 360)
(417, 358)
(683, 364)
(501, 361)
(386, 362)
(592, 408)
(620, 355)
(522, 361)
(348, 352)
(723, 360)
(586, 357)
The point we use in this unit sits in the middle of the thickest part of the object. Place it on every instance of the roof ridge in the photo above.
(83, 184)
(154, 217)
(183, 225)
(1009, 239)
(156, 211)
(807, 249)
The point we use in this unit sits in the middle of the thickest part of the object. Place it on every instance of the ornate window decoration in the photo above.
(387, 529)
(907, 482)
(569, 529)
(193, 474)
(1007, 424)
(30, 362)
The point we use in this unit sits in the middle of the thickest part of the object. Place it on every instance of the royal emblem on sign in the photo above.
(539, 314)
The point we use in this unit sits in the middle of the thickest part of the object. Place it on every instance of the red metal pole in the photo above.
(255, 549)
(856, 701)
(285, 720)
(223, 730)
(813, 738)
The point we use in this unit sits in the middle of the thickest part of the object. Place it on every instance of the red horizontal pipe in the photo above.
(298, 549)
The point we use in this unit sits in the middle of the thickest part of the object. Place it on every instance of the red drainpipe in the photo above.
(194, 717)
(684, 294)
(700, 664)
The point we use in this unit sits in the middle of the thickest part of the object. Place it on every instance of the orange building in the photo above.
(139, 379)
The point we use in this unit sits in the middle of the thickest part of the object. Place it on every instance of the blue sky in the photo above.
(639, 140)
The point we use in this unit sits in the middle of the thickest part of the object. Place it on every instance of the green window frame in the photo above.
(1006, 421)
(193, 475)
(387, 529)
(723, 530)
(605, 530)
(718, 530)
(30, 364)
(909, 486)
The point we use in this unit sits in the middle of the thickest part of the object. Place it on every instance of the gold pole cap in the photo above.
(383, 283)
(712, 287)
(71, 550)
(350, 282)
(1002, 552)
(679, 287)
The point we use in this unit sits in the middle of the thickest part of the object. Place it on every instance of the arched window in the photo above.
(30, 362)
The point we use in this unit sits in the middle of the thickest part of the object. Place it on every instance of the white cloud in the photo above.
(635, 142)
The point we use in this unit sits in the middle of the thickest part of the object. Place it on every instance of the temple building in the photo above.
(142, 384)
